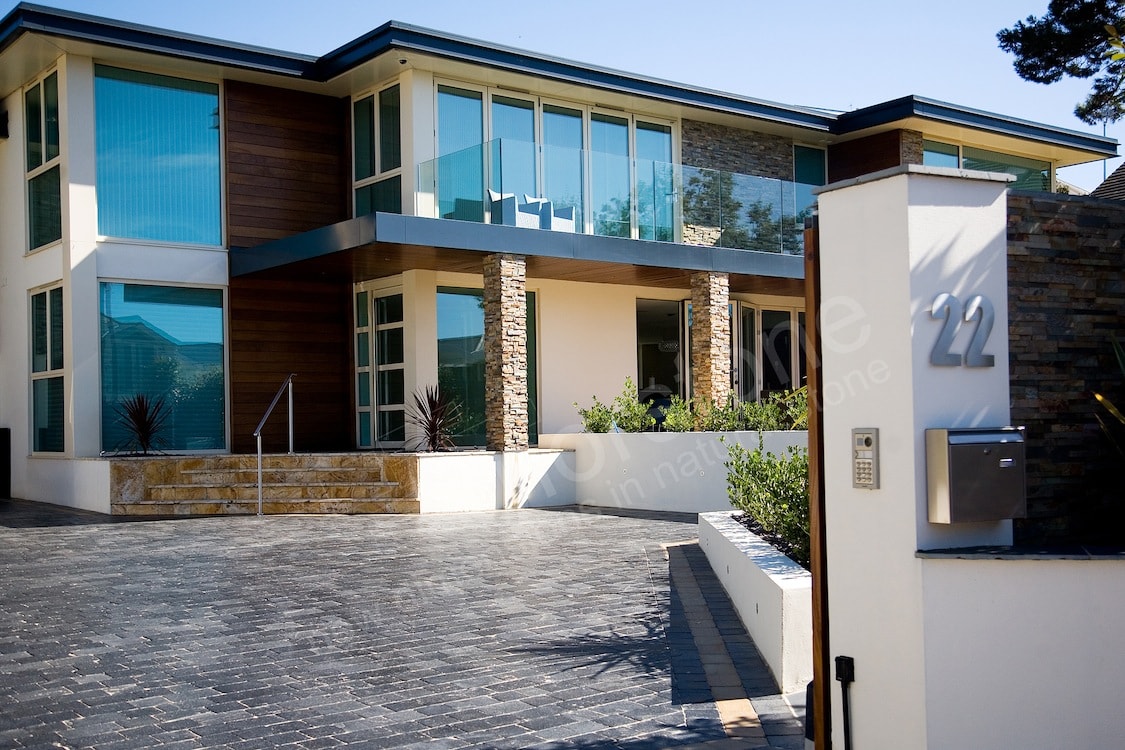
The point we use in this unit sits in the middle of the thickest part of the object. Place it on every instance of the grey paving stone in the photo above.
(508, 629)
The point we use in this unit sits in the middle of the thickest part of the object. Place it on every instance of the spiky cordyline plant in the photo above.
(436, 417)
(143, 419)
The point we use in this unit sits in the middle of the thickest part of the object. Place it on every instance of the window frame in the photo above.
(960, 146)
(46, 164)
(219, 83)
(226, 344)
(379, 172)
(587, 109)
(48, 372)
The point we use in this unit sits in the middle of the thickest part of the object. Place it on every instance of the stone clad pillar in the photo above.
(710, 337)
(505, 352)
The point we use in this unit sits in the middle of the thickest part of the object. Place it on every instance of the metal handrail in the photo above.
(258, 430)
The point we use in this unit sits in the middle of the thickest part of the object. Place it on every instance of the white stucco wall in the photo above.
(1024, 654)
(486, 480)
(664, 471)
(889, 245)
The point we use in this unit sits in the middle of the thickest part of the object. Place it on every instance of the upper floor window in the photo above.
(1030, 174)
(158, 163)
(44, 188)
(527, 162)
(377, 139)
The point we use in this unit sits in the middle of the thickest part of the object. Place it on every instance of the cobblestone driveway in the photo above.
(509, 629)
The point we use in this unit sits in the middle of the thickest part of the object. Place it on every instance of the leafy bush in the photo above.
(787, 410)
(598, 418)
(774, 492)
(629, 413)
(678, 416)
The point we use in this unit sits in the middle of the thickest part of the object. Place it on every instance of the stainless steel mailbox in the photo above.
(975, 474)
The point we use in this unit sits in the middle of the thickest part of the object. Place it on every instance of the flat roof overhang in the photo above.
(380, 244)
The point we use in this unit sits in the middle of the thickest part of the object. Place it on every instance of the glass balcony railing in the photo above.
(569, 190)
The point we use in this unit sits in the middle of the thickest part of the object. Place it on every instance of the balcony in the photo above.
(521, 184)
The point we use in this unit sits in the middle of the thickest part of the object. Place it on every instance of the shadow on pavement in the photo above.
(24, 514)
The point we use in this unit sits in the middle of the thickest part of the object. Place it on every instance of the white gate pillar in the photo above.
(890, 244)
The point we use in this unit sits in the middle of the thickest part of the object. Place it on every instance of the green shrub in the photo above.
(629, 413)
(598, 418)
(774, 491)
(678, 416)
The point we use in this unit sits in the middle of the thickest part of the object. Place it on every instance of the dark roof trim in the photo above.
(938, 111)
(400, 36)
(489, 238)
(26, 18)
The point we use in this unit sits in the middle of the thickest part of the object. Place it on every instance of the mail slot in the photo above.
(975, 475)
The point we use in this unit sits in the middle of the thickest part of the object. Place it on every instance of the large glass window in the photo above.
(47, 412)
(157, 151)
(377, 134)
(656, 191)
(44, 189)
(609, 175)
(165, 343)
(460, 332)
(513, 147)
(937, 154)
(1030, 174)
(563, 172)
(460, 138)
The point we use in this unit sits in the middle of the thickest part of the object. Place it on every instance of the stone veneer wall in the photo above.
(711, 146)
(710, 337)
(1066, 297)
(505, 352)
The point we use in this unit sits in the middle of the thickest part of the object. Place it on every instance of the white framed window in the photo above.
(43, 161)
(158, 157)
(377, 151)
(380, 359)
(584, 168)
(48, 421)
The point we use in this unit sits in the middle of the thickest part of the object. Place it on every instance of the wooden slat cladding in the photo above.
(279, 327)
(287, 162)
(863, 156)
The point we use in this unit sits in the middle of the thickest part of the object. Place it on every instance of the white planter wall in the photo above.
(486, 480)
(663, 471)
(771, 593)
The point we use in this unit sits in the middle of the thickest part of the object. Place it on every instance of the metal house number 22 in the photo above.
(948, 308)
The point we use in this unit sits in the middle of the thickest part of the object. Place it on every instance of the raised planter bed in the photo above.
(664, 471)
(772, 594)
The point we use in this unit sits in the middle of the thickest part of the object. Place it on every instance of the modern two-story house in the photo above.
(195, 220)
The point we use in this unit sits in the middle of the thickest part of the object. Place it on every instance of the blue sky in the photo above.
(823, 53)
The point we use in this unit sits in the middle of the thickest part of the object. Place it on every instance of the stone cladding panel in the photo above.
(505, 352)
(711, 146)
(1066, 297)
(710, 337)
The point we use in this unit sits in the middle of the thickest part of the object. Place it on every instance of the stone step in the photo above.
(284, 475)
(270, 506)
(282, 491)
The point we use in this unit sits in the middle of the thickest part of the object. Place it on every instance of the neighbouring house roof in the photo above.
(1071, 146)
(1113, 187)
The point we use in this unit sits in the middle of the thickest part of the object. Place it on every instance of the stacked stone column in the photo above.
(710, 337)
(505, 352)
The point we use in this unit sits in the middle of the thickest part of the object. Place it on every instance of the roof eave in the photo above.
(931, 109)
(27, 18)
